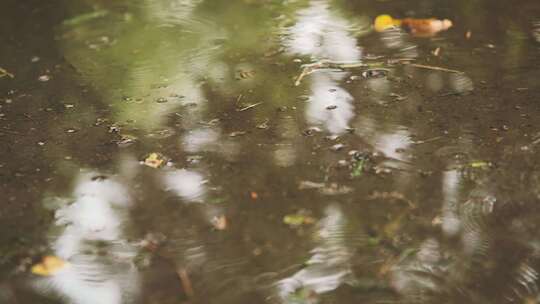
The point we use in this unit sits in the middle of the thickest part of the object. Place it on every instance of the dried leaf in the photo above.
(154, 160)
(49, 266)
(219, 222)
(417, 27)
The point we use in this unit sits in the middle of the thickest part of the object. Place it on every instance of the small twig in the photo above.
(435, 68)
(248, 107)
(419, 142)
(239, 98)
(186, 282)
(4, 73)
(326, 64)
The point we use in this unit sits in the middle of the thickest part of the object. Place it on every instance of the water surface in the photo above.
(419, 186)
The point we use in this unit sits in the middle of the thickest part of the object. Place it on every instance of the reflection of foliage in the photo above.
(159, 50)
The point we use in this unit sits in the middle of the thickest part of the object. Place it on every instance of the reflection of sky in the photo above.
(326, 93)
(450, 188)
(97, 214)
(209, 140)
(321, 33)
(186, 184)
(328, 266)
(392, 143)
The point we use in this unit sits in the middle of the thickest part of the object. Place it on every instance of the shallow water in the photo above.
(420, 186)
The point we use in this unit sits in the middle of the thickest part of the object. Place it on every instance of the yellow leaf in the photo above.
(49, 266)
(154, 160)
(384, 22)
(220, 222)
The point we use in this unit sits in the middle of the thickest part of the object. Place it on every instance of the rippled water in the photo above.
(414, 185)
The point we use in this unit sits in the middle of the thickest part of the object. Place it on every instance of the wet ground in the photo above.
(162, 153)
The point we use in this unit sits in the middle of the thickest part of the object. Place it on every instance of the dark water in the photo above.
(420, 186)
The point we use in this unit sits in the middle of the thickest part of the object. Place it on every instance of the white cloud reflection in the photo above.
(98, 214)
(329, 266)
(329, 105)
(322, 33)
(188, 185)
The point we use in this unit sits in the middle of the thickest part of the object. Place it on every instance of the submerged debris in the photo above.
(360, 163)
(248, 107)
(325, 189)
(375, 73)
(263, 125)
(44, 78)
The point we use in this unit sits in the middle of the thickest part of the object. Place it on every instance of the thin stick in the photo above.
(328, 64)
(4, 72)
(429, 67)
(186, 282)
(239, 98)
(419, 142)
(301, 76)
(249, 107)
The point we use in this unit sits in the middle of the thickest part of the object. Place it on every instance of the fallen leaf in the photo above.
(298, 219)
(418, 27)
(219, 222)
(49, 266)
(154, 160)
(480, 164)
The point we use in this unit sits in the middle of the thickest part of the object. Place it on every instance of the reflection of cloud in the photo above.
(450, 221)
(200, 139)
(328, 267)
(209, 140)
(392, 143)
(188, 185)
(325, 94)
(97, 214)
(322, 33)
